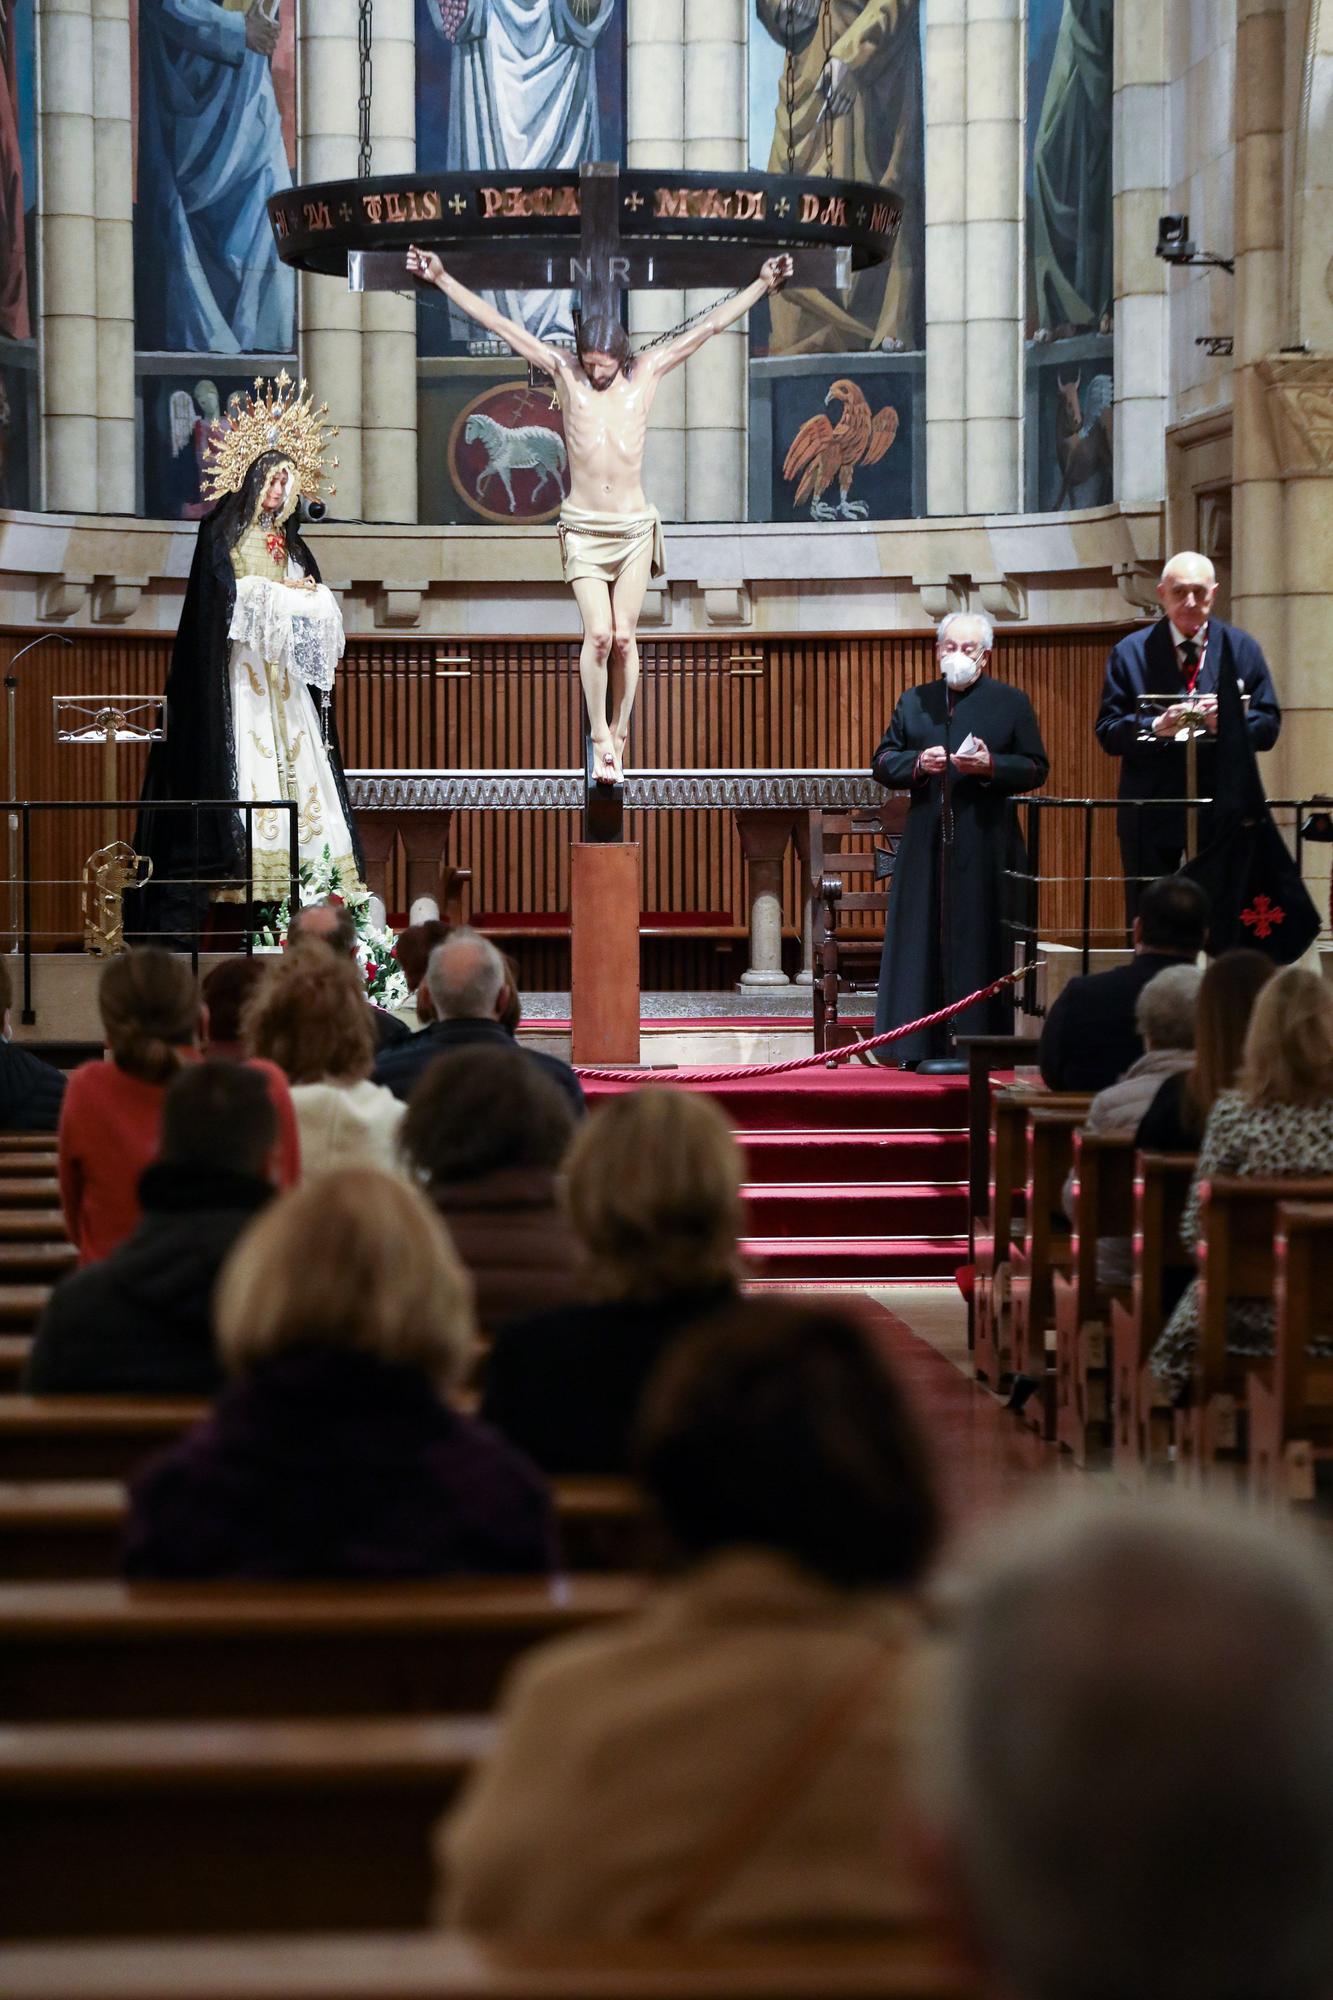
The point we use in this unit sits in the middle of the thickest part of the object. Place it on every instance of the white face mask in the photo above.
(959, 669)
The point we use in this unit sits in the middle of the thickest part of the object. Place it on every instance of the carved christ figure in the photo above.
(610, 535)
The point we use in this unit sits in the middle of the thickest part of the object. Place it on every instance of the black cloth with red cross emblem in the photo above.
(1253, 885)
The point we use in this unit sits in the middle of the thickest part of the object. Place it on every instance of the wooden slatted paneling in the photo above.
(705, 703)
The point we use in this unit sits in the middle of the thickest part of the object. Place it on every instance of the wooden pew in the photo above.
(172, 1829)
(1047, 1248)
(86, 1437)
(1011, 1107)
(1239, 1222)
(894, 1966)
(43, 1224)
(24, 1162)
(29, 1191)
(65, 1530)
(14, 1351)
(1291, 1411)
(1140, 1421)
(1104, 1206)
(120, 1652)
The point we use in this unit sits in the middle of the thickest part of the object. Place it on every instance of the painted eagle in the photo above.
(821, 452)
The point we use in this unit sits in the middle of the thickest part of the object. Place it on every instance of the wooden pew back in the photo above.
(175, 1829)
(1104, 1170)
(1291, 1415)
(121, 1652)
(1162, 1266)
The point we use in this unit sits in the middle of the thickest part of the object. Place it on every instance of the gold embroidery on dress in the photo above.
(311, 823)
(256, 685)
(264, 749)
(297, 744)
(266, 823)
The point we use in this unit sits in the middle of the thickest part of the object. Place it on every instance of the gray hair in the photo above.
(465, 976)
(1165, 1011)
(970, 617)
(1132, 1762)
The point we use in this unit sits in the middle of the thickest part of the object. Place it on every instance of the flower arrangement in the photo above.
(376, 947)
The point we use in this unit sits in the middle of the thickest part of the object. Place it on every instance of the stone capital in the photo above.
(1298, 393)
(117, 598)
(61, 597)
(1002, 597)
(398, 606)
(1137, 584)
(941, 595)
(727, 603)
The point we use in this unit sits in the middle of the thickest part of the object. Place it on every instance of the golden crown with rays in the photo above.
(275, 416)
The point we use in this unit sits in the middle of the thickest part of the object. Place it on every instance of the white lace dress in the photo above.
(1242, 1138)
(285, 647)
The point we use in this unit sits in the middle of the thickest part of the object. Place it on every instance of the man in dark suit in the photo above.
(469, 990)
(1181, 656)
(1090, 1036)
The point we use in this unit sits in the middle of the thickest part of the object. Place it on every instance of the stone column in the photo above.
(946, 292)
(68, 250)
(717, 382)
(329, 316)
(113, 166)
(655, 116)
(993, 334)
(1258, 580)
(1139, 196)
(388, 321)
(764, 837)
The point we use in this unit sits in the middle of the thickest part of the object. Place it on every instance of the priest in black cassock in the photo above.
(962, 745)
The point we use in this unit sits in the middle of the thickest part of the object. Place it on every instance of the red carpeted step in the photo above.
(854, 1156)
(866, 1259)
(809, 1210)
(850, 1098)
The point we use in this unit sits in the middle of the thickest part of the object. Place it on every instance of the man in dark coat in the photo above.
(962, 745)
(1091, 1035)
(31, 1091)
(469, 991)
(1178, 656)
(139, 1323)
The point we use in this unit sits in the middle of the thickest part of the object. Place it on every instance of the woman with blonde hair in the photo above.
(653, 1190)
(1174, 1121)
(345, 1320)
(1278, 1120)
(112, 1116)
(309, 1016)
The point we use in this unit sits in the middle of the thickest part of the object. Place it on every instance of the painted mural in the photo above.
(836, 444)
(178, 413)
(1070, 277)
(492, 448)
(836, 87)
(18, 263)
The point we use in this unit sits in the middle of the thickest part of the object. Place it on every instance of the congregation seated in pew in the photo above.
(308, 1015)
(653, 1186)
(486, 1134)
(733, 1757)
(225, 990)
(1127, 1762)
(139, 1322)
(31, 1091)
(1164, 1016)
(111, 1120)
(1278, 1120)
(1174, 1121)
(345, 1320)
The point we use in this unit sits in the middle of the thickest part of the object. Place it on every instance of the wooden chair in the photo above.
(171, 1829)
(1140, 1421)
(398, 1966)
(86, 1437)
(1291, 1411)
(122, 1652)
(1104, 1207)
(63, 1530)
(831, 869)
(1046, 1249)
(1236, 1262)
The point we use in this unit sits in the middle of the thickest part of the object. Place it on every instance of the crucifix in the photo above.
(610, 534)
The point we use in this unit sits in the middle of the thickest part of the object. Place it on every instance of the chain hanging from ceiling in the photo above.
(365, 29)
(825, 87)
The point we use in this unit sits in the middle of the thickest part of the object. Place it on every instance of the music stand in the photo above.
(108, 721)
(1147, 708)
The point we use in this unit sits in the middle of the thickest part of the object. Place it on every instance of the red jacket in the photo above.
(109, 1127)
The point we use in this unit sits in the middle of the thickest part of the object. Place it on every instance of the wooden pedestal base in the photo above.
(604, 952)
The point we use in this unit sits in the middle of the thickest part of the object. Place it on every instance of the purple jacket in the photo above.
(320, 1462)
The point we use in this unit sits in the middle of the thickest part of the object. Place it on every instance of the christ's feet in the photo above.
(605, 764)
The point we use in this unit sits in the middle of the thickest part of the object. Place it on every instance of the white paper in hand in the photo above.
(969, 746)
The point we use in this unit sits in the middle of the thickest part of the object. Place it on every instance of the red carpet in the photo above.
(853, 1173)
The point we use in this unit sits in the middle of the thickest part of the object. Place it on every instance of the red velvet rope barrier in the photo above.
(829, 1059)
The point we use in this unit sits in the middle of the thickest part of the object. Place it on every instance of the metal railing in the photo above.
(21, 813)
(1290, 814)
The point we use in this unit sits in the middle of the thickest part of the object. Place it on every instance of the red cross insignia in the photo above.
(1263, 917)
